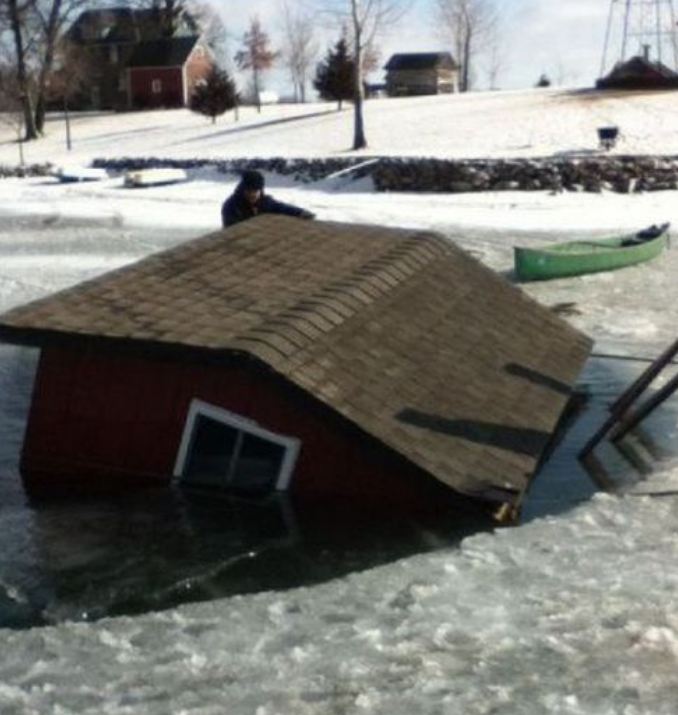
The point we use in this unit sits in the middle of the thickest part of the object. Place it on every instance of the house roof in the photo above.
(421, 61)
(640, 72)
(125, 25)
(171, 52)
(399, 331)
(96, 26)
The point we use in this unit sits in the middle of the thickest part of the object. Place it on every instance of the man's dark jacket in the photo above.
(236, 208)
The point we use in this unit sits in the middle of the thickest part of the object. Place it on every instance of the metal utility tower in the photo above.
(644, 28)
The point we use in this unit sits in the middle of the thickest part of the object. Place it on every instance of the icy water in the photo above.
(88, 559)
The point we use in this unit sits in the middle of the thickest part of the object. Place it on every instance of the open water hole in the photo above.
(86, 559)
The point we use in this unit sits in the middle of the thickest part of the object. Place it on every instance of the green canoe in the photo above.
(577, 257)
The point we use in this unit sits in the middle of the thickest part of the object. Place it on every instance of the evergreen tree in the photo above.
(215, 95)
(334, 75)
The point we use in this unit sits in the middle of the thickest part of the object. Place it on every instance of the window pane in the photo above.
(258, 465)
(211, 452)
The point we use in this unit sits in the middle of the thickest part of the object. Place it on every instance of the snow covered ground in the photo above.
(508, 124)
(573, 613)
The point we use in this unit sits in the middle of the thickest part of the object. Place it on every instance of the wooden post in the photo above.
(627, 424)
(639, 385)
(621, 405)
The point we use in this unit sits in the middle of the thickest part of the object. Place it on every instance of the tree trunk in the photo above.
(466, 78)
(67, 118)
(20, 142)
(257, 95)
(21, 71)
(48, 61)
(359, 140)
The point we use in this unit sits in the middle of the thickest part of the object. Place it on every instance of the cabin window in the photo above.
(223, 450)
(156, 86)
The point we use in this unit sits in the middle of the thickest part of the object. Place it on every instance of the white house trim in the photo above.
(199, 408)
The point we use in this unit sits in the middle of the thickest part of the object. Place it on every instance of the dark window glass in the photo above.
(211, 453)
(258, 465)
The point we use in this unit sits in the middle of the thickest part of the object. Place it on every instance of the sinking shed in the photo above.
(377, 364)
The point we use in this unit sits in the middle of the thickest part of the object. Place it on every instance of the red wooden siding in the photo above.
(141, 87)
(108, 421)
(198, 67)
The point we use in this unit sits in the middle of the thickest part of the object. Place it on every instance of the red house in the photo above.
(381, 365)
(164, 73)
(138, 57)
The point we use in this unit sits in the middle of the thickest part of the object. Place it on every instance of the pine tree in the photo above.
(334, 75)
(215, 95)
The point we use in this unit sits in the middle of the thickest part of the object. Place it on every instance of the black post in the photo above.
(68, 125)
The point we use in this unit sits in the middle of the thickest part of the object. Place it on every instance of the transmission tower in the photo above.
(645, 28)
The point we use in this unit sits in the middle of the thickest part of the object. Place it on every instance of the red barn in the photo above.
(163, 73)
(385, 366)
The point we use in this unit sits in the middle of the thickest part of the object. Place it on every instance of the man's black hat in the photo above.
(252, 180)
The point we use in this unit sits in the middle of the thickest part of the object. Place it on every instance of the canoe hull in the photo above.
(581, 257)
(71, 175)
(154, 177)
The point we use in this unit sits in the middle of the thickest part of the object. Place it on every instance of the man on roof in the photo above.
(249, 200)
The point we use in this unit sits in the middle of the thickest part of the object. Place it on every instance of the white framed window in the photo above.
(156, 86)
(223, 450)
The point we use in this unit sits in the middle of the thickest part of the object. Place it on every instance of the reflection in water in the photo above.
(156, 549)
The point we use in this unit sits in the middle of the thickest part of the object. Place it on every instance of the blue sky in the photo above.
(562, 38)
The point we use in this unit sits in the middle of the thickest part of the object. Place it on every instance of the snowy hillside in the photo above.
(521, 123)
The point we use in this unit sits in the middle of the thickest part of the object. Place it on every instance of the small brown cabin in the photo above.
(417, 73)
(385, 366)
(639, 73)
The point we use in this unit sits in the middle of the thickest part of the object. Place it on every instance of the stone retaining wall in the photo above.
(622, 174)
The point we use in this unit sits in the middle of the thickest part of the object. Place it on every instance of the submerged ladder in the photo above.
(625, 413)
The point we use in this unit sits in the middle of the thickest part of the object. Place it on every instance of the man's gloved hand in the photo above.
(306, 214)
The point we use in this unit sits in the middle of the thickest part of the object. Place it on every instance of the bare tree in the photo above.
(300, 48)
(166, 17)
(12, 113)
(52, 17)
(16, 13)
(256, 55)
(494, 57)
(36, 28)
(365, 19)
(469, 23)
(72, 67)
(214, 33)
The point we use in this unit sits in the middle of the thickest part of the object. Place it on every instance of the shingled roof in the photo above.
(399, 331)
(420, 61)
(638, 73)
(169, 52)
